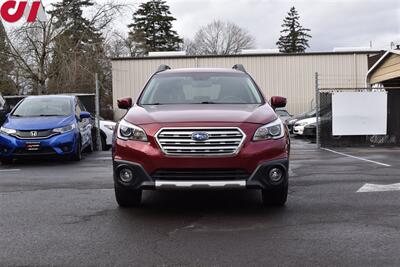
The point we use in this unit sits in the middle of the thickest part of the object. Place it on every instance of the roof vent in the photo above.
(167, 54)
(352, 49)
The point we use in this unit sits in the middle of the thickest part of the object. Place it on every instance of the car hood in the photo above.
(239, 113)
(37, 123)
(308, 121)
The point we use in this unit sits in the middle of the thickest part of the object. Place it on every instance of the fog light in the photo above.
(276, 175)
(126, 175)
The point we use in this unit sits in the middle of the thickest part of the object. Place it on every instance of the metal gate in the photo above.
(324, 136)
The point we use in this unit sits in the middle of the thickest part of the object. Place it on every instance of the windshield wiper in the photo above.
(153, 104)
(48, 115)
(207, 102)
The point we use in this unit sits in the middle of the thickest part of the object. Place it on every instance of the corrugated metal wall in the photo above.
(291, 76)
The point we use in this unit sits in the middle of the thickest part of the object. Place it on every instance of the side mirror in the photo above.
(125, 103)
(278, 102)
(84, 115)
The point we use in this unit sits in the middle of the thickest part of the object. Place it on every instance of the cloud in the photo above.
(333, 23)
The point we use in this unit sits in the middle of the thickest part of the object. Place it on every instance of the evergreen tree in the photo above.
(7, 86)
(78, 30)
(294, 38)
(152, 28)
(78, 50)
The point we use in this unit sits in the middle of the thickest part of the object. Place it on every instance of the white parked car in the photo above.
(298, 127)
(106, 132)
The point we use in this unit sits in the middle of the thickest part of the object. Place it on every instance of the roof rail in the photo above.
(163, 67)
(239, 67)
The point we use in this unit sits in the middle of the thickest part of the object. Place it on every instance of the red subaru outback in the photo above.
(201, 129)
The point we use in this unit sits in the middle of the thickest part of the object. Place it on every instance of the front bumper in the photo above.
(59, 145)
(258, 179)
(298, 130)
(109, 136)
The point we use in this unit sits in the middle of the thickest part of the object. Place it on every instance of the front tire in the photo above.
(6, 161)
(275, 197)
(78, 153)
(127, 198)
(90, 147)
(104, 146)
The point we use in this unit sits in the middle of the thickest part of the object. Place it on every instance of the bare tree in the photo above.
(219, 38)
(32, 44)
(30, 48)
(190, 47)
(122, 45)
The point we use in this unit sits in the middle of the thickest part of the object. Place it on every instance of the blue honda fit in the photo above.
(46, 126)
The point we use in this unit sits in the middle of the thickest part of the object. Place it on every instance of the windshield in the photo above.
(35, 107)
(200, 88)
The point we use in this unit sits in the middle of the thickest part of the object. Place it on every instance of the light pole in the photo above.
(97, 110)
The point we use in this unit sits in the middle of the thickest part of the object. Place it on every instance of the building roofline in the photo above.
(372, 69)
(253, 55)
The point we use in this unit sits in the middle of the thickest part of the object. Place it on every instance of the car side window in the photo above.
(78, 110)
(81, 106)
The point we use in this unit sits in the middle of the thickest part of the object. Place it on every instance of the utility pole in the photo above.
(97, 117)
(317, 104)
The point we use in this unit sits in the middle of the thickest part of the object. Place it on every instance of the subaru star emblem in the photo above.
(34, 133)
(200, 136)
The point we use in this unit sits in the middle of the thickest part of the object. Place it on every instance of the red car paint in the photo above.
(247, 117)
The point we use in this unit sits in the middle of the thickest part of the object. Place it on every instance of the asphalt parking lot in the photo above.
(64, 213)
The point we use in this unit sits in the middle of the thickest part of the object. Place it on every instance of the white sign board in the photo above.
(359, 113)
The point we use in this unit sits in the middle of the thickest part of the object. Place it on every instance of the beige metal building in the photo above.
(288, 75)
(386, 70)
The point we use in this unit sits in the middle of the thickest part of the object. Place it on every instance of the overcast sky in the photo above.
(333, 23)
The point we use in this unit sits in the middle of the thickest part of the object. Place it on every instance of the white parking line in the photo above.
(10, 170)
(100, 158)
(379, 188)
(354, 157)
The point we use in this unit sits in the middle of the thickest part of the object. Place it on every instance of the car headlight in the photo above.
(7, 130)
(110, 127)
(273, 130)
(128, 131)
(64, 129)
